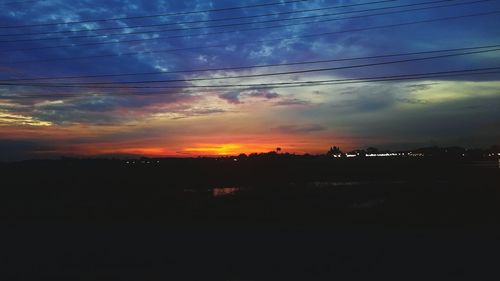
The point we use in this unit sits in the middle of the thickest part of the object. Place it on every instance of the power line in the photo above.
(255, 66)
(296, 85)
(385, 78)
(216, 20)
(224, 19)
(264, 41)
(202, 34)
(413, 76)
(235, 24)
(158, 15)
(103, 85)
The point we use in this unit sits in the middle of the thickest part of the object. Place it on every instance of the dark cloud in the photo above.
(95, 109)
(419, 87)
(236, 96)
(291, 102)
(231, 97)
(444, 123)
(412, 101)
(369, 98)
(296, 129)
(19, 149)
(263, 94)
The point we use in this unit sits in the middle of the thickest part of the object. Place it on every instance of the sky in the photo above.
(205, 113)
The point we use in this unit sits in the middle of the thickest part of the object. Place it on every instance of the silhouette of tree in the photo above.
(334, 151)
(278, 149)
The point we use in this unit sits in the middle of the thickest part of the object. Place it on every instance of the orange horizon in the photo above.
(191, 151)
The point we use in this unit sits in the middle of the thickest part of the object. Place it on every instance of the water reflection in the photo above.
(224, 191)
(232, 190)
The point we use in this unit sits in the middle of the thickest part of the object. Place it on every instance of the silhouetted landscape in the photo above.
(340, 214)
(431, 186)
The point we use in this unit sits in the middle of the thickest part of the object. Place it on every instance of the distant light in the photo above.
(235, 160)
(381, 154)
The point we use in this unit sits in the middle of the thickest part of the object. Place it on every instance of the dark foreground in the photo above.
(305, 218)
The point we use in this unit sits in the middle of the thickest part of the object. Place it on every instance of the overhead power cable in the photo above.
(370, 79)
(233, 25)
(254, 66)
(158, 15)
(266, 40)
(214, 20)
(223, 19)
(216, 33)
(120, 85)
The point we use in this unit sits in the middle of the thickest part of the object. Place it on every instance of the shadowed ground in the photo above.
(251, 219)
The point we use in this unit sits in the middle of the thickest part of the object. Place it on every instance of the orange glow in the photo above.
(224, 149)
(228, 149)
(147, 151)
(89, 140)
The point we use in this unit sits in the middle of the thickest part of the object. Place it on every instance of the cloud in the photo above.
(231, 97)
(419, 87)
(446, 113)
(412, 101)
(263, 94)
(94, 109)
(291, 102)
(19, 149)
(9, 119)
(296, 129)
(235, 97)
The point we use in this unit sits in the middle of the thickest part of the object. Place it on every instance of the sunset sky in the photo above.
(71, 116)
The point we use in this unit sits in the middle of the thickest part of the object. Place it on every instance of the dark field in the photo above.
(280, 190)
(251, 219)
